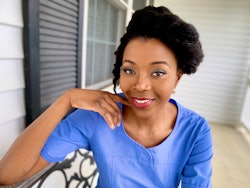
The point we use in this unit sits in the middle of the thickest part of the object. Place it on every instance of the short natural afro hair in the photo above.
(160, 23)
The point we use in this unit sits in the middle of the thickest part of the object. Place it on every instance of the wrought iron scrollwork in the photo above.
(78, 171)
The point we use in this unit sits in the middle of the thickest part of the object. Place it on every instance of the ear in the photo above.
(178, 77)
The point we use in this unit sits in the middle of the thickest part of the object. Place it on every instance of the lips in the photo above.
(141, 102)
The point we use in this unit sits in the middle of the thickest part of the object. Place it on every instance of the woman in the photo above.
(151, 140)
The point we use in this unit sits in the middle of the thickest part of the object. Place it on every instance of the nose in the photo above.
(142, 82)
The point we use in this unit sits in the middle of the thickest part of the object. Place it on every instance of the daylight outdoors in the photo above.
(49, 46)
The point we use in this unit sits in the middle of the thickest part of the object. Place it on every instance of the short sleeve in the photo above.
(72, 133)
(198, 169)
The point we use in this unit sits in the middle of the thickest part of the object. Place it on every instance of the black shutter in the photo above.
(52, 43)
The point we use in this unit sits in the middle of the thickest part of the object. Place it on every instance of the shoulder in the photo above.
(82, 121)
(190, 121)
(81, 114)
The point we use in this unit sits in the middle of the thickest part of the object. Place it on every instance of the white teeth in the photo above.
(141, 101)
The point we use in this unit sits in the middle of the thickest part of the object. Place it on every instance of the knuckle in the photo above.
(100, 102)
(106, 96)
(106, 114)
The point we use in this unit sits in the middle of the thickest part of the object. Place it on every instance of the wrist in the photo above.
(65, 99)
(70, 97)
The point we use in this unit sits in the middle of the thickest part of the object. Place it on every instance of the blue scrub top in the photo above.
(185, 155)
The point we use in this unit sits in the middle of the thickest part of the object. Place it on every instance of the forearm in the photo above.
(22, 159)
(25, 151)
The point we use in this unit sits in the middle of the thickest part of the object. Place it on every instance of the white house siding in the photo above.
(245, 116)
(217, 90)
(12, 104)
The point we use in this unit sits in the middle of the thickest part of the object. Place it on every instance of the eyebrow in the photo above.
(153, 63)
(128, 61)
(160, 62)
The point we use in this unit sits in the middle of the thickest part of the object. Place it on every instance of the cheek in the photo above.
(163, 87)
(123, 83)
(126, 82)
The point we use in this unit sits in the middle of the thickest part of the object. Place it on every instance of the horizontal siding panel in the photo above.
(12, 108)
(11, 13)
(12, 105)
(212, 40)
(208, 82)
(9, 131)
(11, 74)
(11, 42)
(210, 6)
(224, 102)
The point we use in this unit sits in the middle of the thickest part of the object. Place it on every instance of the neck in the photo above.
(149, 129)
(163, 117)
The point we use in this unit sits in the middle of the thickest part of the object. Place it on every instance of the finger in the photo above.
(118, 98)
(110, 111)
(109, 120)
(114, 110)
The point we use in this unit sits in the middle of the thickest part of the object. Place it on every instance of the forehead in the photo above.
(148, 50)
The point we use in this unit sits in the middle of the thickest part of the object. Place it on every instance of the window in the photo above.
(106, 22)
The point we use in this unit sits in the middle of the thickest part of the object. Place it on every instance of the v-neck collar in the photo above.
(149, 153)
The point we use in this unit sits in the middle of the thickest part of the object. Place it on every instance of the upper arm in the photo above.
(72, 133)
(198, 169)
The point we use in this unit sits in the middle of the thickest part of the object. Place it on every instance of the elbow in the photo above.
(8, 181)
(7, 178)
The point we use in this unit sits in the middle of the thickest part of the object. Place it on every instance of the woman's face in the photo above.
(148, 74)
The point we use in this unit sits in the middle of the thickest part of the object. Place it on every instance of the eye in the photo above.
(159, 73)
(128, 71)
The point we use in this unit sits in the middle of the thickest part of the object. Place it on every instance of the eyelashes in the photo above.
(128, 71)
(155, 73)
(158, 73)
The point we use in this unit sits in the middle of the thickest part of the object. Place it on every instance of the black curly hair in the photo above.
(160, 23)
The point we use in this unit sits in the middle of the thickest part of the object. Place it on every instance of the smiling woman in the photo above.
(140, 137)
(149, 75)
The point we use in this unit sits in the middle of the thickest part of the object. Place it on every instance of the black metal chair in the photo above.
(78, 170)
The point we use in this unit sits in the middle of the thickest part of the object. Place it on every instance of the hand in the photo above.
(103, 102)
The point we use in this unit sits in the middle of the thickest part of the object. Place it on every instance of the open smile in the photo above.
(142, 102)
